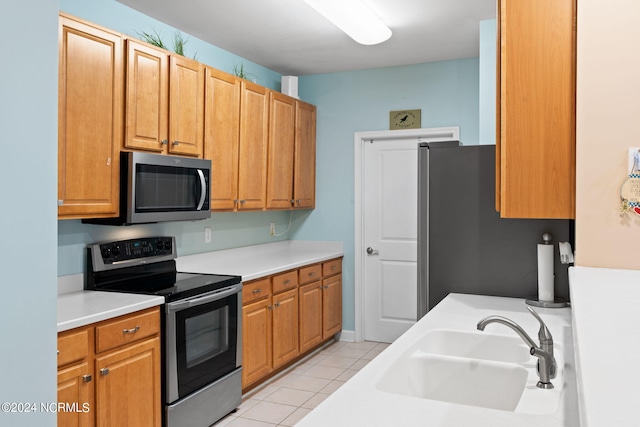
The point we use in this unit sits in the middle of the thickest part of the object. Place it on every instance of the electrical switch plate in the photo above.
(272, 229)
(207, 234)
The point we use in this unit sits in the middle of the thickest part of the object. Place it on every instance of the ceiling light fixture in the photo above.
(354, 18)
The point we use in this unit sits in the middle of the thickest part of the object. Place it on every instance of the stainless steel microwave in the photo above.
(160, 188)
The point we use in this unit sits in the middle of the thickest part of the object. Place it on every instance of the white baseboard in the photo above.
(349, 336)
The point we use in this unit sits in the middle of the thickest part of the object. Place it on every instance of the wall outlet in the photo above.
(272, 229)
(207, 234)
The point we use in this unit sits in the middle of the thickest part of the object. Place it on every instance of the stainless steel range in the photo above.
(202, 325)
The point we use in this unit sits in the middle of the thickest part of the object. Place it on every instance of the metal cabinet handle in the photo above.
(313, 273)
(164, 142)
(286, 282)
(104, 371)
(131, 331)
(257, 291)
(175, 143)
(277, 304)
(87, 378)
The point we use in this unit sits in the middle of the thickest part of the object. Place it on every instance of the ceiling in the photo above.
(290, 37)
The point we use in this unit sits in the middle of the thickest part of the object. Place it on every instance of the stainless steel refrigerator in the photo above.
(463, 244)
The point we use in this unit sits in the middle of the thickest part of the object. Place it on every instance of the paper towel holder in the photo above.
(537, 302)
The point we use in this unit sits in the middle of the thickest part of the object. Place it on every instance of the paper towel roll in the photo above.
(545, 272)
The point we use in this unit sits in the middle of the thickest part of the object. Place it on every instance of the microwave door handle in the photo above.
(203, 189)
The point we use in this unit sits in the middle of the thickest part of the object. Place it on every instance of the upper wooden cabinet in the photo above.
(147, 98)
(90, 110)
(304, 182)
(252, 167)
(282, 120)
(292, 153)
(535, 163)
(164, 101)
(221, 136)
(186, 106)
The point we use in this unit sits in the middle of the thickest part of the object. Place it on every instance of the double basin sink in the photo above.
(474, 368)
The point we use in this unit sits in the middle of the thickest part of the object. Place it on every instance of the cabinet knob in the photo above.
(87, 378)
(104, 371)
(256, 291)
(164, 142)
(277, 304)
(175, 143)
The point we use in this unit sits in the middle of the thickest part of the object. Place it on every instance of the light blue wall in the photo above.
(447, 94)
(488, 82)
(28, 119)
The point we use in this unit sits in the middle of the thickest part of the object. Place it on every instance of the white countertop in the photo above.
(605, 304)
(77, 307)
(82, 308)
(359, 402)
(253, 262)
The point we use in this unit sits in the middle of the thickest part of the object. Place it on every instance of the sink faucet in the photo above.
(544, 351)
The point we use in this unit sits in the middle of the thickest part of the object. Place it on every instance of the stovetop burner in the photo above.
(146, 266)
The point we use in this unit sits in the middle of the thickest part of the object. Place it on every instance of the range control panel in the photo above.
(133, 251)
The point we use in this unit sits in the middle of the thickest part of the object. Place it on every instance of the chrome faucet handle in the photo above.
(544, 335)
(546, 342)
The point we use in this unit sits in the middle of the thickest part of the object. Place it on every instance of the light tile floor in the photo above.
(288, 397)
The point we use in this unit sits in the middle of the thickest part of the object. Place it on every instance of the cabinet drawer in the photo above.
(285, 281)
(332, 267)
(73, 346)
(310, 274)
(126, 330)
(253, 291)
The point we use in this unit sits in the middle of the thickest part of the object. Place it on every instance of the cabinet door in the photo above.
(285, 327)
(331, 306)
(147, 98)
(254, 118)
(310, 315)
(282, 116)
(256, 341)
(536, 113)
(304, 184)
(221, 136)
(128, 386)
(186, 106)
(75, 387)
(90, 110)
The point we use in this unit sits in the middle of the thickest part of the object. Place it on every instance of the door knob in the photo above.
(372, 251)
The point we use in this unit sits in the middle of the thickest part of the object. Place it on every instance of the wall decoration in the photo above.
(405, 119)
(630, 190)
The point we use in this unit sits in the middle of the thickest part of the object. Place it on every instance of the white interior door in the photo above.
(390, 238)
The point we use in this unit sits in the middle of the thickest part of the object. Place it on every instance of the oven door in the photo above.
(202, 336)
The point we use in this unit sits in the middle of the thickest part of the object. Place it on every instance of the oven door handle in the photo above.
(205, 299)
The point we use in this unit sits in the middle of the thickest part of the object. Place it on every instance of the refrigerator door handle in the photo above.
(372, 251)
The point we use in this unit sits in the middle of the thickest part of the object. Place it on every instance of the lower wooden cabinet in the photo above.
(109, 372)
(256, 341)
(285, 327)
(128, 386)
(287, 315)
(75, 387)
